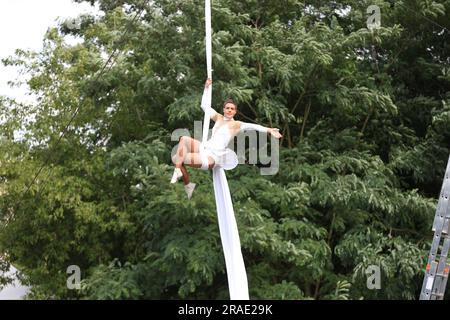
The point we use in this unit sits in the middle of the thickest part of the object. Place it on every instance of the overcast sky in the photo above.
(23, 24)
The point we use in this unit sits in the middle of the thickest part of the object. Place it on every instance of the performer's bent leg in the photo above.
(195, 160)
(186, 145)
(185, 175)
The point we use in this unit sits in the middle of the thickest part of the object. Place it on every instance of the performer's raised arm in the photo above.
(213, 114)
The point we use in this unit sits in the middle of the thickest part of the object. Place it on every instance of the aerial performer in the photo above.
(214, 152)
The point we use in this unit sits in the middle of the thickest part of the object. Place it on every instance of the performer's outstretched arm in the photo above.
(213, 114)
(245, 126)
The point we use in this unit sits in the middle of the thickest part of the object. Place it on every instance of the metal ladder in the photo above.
(436, 274)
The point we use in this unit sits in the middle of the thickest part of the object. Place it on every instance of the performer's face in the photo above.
(229, 110)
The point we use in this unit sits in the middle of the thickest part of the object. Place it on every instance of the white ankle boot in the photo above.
(189, 188)
(177, 174)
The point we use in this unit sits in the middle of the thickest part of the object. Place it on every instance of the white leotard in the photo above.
(217, 146)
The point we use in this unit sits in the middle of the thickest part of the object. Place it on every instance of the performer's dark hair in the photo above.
(229, 100)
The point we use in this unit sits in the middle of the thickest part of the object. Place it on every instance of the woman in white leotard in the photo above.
(213, 152)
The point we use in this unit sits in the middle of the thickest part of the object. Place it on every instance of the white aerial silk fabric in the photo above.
(237, 276)
(208, 41)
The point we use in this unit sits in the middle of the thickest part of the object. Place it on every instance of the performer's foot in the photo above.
(177, 174)
(189, 189)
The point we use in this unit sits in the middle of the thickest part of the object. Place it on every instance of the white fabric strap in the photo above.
(229, 234)
(208, 29)
(204, 158)
(207, 106)
(208, 92)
